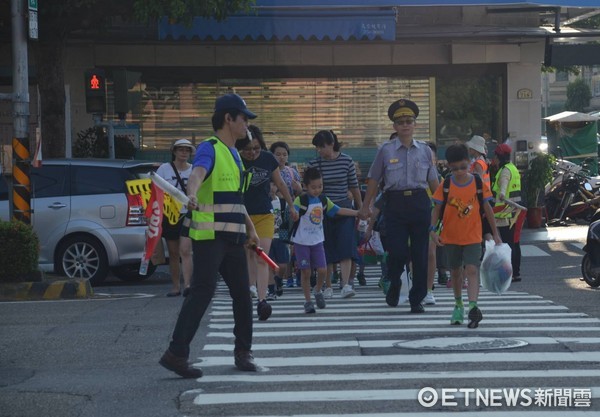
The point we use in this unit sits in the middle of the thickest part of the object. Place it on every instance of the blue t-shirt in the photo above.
(205, 156)
(256, 198)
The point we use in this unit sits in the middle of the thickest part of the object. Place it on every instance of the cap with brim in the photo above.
(183, 143)
(503, 149)
(403, 108)
(477, 143)
(233, 102)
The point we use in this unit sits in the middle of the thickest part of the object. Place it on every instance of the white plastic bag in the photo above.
(496, 268)
(376, 244)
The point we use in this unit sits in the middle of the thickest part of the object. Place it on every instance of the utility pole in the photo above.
(20, 209)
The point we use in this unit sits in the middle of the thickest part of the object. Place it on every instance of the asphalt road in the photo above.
(357, 357)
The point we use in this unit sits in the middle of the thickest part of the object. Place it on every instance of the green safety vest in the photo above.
(513, 191)
(221, 210)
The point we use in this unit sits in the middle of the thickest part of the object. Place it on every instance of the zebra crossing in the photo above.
(359, 357)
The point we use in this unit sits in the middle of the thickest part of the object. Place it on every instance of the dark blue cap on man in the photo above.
(403, 107)
(233, 102)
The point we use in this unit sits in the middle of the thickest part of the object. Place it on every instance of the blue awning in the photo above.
(364, 25)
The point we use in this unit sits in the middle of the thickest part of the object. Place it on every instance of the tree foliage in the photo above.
(578, 96)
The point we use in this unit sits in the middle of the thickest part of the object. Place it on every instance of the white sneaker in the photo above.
(328, 292)
(347, 291)
(253, 291)
(429, 299)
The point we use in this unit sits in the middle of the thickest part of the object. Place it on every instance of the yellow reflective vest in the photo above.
(513, 191)
(221, 211)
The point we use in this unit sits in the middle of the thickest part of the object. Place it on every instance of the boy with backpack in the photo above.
(308, 237)
(459, 204)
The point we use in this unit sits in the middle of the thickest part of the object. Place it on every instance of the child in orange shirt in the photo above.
(461, 231)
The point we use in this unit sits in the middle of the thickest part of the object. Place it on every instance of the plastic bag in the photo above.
(376, 244)
(496, 268)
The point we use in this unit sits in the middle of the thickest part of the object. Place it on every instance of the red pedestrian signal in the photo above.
(95, 91)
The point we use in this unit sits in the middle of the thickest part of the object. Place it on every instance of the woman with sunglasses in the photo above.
(264, 168)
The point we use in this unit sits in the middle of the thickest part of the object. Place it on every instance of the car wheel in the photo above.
(82, 257)
(131, 272)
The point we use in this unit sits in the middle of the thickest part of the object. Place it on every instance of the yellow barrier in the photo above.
(171, 207)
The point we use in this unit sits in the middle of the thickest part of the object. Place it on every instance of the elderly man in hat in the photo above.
(219, 228)
(406, 167)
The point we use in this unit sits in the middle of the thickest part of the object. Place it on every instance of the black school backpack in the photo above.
(446, 190)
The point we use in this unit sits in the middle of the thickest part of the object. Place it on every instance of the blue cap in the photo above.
(233, 102)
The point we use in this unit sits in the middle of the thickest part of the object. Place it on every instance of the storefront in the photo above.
(472, 69)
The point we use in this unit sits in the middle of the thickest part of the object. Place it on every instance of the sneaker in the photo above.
(290, 283)
(264, 310)
(320, 299)
(347, 291)
(429, 299)
(361, 279)
(475, 317)
(253, 291)
(442, 278)
(449, 283)
(309, 307)
(328, 292)
(271, 296)
(458, 315)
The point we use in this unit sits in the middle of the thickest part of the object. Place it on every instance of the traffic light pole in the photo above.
(110, 126)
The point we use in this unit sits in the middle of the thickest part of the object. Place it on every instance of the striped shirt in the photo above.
(339, 176)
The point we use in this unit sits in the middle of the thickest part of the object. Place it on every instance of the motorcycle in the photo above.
(590, 264)
(569, 194)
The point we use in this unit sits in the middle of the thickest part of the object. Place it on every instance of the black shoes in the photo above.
(362, 281)
(475, 317)
(264, 310)
(393, 294)
(244, 360)
(417, 308)
(179, 365)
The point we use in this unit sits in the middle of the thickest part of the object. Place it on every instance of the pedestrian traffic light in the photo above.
(125, 99)
(95, 91)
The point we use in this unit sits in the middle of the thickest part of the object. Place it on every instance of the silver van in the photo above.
(86, 221)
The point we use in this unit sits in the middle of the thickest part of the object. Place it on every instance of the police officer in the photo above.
(219, 228)
(406, 167)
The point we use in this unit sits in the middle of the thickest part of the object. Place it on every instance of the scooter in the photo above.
(590, 264)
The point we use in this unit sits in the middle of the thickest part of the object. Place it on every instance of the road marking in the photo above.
(532, 251)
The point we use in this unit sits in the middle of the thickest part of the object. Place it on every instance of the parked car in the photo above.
(86, 221)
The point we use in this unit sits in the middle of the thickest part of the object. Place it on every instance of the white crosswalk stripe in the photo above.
(359, 357)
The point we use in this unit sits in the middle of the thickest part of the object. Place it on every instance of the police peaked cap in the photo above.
(403, 107)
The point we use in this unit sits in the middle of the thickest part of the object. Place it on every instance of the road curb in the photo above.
(46, 290)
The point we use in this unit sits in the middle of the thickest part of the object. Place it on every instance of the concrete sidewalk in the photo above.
(575, 232)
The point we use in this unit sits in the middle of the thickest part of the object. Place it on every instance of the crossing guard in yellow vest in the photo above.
(219, 228)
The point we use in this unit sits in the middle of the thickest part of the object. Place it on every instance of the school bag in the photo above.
(446, 190)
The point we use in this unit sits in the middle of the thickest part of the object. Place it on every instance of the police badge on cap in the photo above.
(403, 107)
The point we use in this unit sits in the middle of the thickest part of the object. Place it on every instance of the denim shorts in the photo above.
(459, 255)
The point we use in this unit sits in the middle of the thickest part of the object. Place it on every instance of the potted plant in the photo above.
(535, 179)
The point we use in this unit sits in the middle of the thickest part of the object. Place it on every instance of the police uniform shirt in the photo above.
(403, 168)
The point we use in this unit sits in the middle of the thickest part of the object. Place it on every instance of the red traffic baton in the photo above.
(260, 252)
